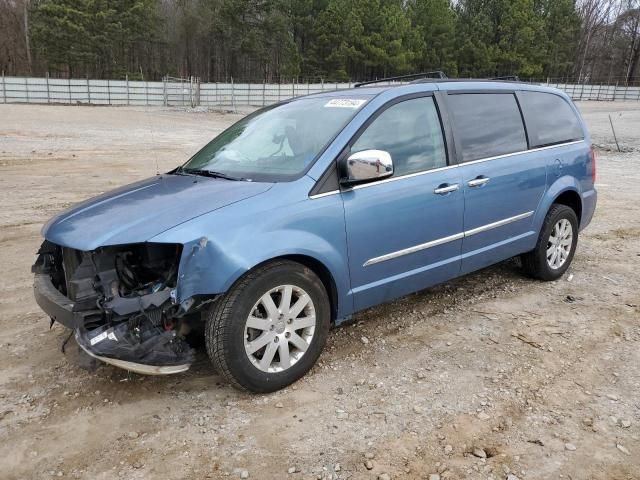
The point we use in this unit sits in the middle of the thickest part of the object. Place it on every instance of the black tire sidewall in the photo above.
(239, 365)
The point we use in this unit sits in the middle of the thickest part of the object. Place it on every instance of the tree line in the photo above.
(334, 40)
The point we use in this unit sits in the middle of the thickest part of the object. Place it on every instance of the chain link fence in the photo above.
(190, 92)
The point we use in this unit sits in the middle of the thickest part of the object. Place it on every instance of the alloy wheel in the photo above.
(559, 244)
(279, 329)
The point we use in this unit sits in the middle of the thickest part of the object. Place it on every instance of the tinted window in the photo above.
(410, 131)
(549, 118)
(487, 124)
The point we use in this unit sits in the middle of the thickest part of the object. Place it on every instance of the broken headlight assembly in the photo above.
(118, 301)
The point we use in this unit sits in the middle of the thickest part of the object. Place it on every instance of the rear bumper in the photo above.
(589, 200)
(54, 303)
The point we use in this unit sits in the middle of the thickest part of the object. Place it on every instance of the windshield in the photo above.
(275, 143)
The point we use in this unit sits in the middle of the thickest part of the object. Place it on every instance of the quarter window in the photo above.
(411, 132)
(487, 124)
(549, 118)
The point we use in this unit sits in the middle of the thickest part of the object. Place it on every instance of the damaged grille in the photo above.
(71, 259)
(124, 295)
(117, 280)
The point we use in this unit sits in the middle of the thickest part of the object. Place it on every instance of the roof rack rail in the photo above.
(435, 74)
(514, 78)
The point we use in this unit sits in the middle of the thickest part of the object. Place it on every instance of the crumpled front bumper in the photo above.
(157, 359)
(84, 342)
(55, 304)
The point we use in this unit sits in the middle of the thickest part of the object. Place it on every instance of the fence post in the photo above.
(279, 87)
(146, 91)
(48, 95)
(264, 84)
(322, 83)
(216, 101)
(26, 89)
(164, 91)
(69, 89)
(233, 96)
(126, 78)
(249, 93)
(108, 93)
(88, 91)
(4, 89)
(293, 88)
(193, 91)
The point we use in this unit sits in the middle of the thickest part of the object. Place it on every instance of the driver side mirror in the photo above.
(366, 166)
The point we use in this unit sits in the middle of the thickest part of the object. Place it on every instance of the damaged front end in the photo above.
(121, 303)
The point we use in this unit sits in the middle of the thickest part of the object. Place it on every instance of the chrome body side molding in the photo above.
(451, 238)
(415, 248)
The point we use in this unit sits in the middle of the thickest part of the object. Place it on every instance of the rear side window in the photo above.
(411, 132)
(487, 124)
(549, 118)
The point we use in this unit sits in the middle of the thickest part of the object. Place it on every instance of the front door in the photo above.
(404, 233)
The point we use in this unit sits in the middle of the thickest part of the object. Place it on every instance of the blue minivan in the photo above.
(307, 211)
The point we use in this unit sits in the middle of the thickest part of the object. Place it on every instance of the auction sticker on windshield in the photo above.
(345, 103)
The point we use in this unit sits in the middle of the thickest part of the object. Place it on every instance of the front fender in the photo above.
(227, 243)
(209, 266)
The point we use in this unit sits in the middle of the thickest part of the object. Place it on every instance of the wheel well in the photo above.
(321, 271)
(572, 200)
(325, 277)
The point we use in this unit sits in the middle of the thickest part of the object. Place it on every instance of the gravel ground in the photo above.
(492, 376)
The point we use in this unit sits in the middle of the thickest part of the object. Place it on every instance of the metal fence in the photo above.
(599, 92)
(190, 92)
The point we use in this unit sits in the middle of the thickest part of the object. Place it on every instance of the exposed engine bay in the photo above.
(120, 302)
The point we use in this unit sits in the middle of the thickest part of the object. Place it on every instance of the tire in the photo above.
(229, 332)
(535, 263)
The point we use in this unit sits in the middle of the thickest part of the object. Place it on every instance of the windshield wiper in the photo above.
(208, 173)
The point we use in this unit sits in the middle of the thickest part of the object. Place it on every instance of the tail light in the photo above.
(593, 163)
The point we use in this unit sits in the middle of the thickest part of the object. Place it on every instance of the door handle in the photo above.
(478, 182)
(446, 188)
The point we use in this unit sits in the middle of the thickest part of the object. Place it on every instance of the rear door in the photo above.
(554, 129)
(503, 182)
(404, 233)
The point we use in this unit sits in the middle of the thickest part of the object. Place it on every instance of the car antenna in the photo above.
(155, 157)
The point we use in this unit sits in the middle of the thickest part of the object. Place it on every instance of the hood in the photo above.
(137, 212)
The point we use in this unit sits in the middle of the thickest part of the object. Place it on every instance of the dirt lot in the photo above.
(544, 378)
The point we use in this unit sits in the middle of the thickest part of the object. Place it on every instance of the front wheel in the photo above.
(270, 328)
(556, 245)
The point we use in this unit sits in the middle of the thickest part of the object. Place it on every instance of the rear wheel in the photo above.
(556, 245)
(270, 328)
